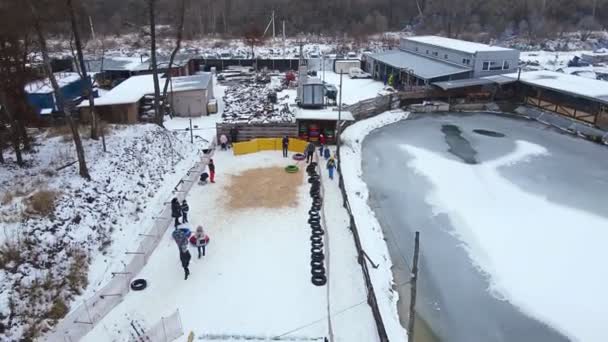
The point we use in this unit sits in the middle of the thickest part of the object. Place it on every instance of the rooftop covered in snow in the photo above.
(323, 115)
(456, 44)
(134, 88)
(422, 67)
(591, 89)
(44, 86)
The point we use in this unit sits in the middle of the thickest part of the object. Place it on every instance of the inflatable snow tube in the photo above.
(315, 250)
(316, 263)
(317, 256)
(319, 280)
(298, 156)
(314, 239)
(139, 284)
(291, 168)
(317, 271)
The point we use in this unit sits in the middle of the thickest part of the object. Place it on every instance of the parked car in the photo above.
(358, 73)
(351, 55)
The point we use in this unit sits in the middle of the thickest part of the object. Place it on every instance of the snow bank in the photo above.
(372, 237)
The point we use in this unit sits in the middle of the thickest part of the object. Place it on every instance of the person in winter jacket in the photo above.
(211, 166)
(322, 141)
(331, 165)
(185, 209)
(234, 134)
(327, 153)
(201, 240)
(285, 146)
(176, 210)
(310, 151)
(224, 142)
(184, 257)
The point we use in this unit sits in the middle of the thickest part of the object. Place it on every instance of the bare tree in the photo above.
(61, 105)
(14, 134)
(85, 76)
(158, 113)
(178, 44)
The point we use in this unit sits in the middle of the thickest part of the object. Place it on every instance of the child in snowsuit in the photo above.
(201, 240)
(310, 151)
(285, 146)
(185, 209)
(331, 165)
(224, 142)
(176, 210)
(211, 166)
(184, 257)
(204, 177)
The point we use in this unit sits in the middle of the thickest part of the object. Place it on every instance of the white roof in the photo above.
(456, 44)
(44, 86)
(327, 114)
(573, 85)
(134, 88)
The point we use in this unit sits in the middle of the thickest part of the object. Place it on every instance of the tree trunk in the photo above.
(158, 114)
(83, 71)
(14, 133)
(61, 105)
(178, 44)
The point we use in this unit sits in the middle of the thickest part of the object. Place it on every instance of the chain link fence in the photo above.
(82, 319)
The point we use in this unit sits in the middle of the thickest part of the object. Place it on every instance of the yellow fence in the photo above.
(267, 144)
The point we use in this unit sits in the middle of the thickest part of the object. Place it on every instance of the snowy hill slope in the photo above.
(61, 236)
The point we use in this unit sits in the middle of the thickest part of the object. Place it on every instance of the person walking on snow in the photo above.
(201, 240)
(184, 257)
(224, 142)
(185, 209)
(211, 171)
(234, 134)
(322, 142)
(331, 165)
(310, 151)
(176, 210)
(285, 146)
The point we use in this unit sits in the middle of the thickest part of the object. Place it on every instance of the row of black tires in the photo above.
(317, 263)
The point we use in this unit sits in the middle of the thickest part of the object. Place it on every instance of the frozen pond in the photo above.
(513, 223)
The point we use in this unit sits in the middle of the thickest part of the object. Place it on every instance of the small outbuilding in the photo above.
(41, 97)
(314, 122)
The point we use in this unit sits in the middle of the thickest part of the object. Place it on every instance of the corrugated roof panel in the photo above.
(422, 67)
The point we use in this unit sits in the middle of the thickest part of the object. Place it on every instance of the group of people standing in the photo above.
(324, 151)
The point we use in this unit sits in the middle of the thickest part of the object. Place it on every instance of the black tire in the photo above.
(316, 263)
(314, 239)
(317, 256)
(317, 232)
(319, 280)
(139, 284)
(311, 212)
(315, 216)
(315, 225)
(312, 221)
(318, 244)
(317, 271)
(315, 250)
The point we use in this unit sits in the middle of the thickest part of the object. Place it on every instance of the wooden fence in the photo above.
(248, 131)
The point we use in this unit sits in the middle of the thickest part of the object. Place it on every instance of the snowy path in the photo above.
(255, 279)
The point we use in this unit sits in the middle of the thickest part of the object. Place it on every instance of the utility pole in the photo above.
(92, 29)
(283, 38)
(339, 118)
(413, 280)
(273, 27)
(190, 117)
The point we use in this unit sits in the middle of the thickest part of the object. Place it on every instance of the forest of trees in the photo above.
(497, 18)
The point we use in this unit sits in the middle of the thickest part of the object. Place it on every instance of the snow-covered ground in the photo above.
(96, 220)
(255, 278)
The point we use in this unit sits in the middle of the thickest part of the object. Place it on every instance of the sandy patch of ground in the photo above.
(269, 187)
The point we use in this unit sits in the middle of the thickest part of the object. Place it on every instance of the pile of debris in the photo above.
(253, 102)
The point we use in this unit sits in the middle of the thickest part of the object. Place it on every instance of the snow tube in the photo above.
(319, 280)
(291, 168)
(193, 239)
(138, 284)
(317, 257)
(315, 250)
(316, 239)
(317, 270)
(299, 156)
